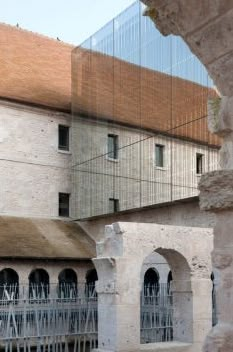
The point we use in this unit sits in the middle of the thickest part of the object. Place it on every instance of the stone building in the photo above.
(52, 210)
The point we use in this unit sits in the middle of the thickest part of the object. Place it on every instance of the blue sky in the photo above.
(72, 21)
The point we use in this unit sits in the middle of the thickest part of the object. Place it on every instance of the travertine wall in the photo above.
(119, 261)
(33, 170)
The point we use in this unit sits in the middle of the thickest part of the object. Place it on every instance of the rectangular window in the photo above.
(63, 137)
(64, 204)
(159, 155)
(112, 146)
(113, 205)
(199, 163)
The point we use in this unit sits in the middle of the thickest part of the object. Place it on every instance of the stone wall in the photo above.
(179, 214)
(33, 170)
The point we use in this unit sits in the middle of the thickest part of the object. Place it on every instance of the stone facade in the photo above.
(119, 261)
(33, 170)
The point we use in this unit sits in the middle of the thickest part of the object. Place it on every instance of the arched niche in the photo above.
(39, 284)
(67, 284)
(9, 284)
(91, 278)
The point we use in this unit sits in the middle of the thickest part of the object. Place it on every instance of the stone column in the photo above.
(118, 289)
(216, 195)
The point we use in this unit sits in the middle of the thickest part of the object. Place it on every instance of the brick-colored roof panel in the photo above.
(113, 89)
(34, 68)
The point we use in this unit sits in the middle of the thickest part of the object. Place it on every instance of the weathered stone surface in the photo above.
(219, 71)
(186, 249)
(221, 259)
(220, 339)
(216, 190)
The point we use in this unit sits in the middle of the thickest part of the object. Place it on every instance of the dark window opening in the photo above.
(91, 278)
(9, 284)
(39, 284)
(112, 146)
(199, 163)
(63, 137)
(114, 205)
(159, 155)
(151, 282)
(64, 204)
(67, 284)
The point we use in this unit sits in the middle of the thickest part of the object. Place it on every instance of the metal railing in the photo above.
(53, 316)
(156, 314)
(62, 317)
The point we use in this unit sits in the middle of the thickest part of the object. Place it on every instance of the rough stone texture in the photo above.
(216, 190)
(119, 261)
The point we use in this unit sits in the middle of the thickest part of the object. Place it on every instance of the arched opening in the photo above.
(39, 284)
(91, 278)
(9, 284)
(169, 280)
(67, 284)
(151, 282)
(151, 277)
(158, 317)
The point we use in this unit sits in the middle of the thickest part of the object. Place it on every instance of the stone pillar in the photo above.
(216, 195)
(118, 289)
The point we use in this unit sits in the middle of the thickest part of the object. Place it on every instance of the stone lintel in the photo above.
(216, 190)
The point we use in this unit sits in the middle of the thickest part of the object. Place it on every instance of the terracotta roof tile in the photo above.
(34, 68)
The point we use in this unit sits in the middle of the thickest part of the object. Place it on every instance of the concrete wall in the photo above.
(33, 170)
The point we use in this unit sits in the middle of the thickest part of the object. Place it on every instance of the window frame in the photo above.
(65, 148)
(116, 205)
(199, 163)
(158, 162)
(115, 151)
(67, 215)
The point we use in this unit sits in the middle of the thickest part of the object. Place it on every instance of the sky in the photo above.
(72, 21)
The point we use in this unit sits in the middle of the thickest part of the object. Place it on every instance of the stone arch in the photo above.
(67, 283)
(9, 280)
(151, 277)
(119, 262)
(39, 286)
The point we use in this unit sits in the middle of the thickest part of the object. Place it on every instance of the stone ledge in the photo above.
(216, 190)
(173, 346)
